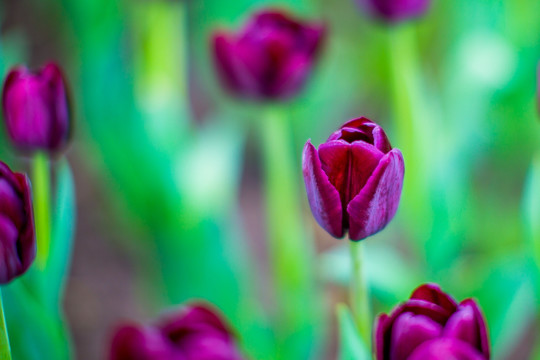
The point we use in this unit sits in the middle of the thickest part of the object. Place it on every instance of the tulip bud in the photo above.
(393, 11)
(432, 326)
(196, 332)
(270, 58)
(17, 233)
(35, 107)
(353, 180)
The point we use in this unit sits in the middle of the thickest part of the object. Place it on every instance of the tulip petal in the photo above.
(409, 331)
(446, 348)
(9, 255)
(60, 129)
(377, 202)
(323, 197)
(434, 294)
(145, 343)
(468, 324)
(27, 235)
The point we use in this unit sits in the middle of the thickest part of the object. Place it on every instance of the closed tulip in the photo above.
(17, 233)
(270, 58)
(35, 107)
(353, 180)
(195, 332)
(432, 326)
(395, 10)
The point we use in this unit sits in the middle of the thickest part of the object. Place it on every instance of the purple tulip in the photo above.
(270, 58)
(17, 233)
(353, 180)
(395, 10)
(36, 110)
(432, 326)
(196, 332)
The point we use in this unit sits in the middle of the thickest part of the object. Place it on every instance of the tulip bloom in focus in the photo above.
(196, 332)
(17, 233)
(395, 10)
(35, 107)
(270, 58)
(353, 180)
(432, 326)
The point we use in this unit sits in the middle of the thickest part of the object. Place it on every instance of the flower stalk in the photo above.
(359, 292)
(42, 187)
(5, 349)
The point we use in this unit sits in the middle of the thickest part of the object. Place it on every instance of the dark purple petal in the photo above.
(377, 203)
(17, 232)
(446, 349)
(395, 10)
(468, 324)
(433, 293)
(409, 331)
(382, 346)
(270, 58)
(132, 342)
(36, 109)
(324, 199)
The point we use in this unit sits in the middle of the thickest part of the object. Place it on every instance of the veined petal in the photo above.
(323, 197)
(377, 202)
(468, 324)
(434, 294)
(409, 331)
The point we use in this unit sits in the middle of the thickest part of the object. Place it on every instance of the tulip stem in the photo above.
(359, 294)
(5, 350)
(41, 186)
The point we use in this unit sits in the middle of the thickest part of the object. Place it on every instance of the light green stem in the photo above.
(290, 249)
(359, 293)
(42, 187)
(5, 350)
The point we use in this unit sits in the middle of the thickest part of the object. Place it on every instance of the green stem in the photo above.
(42, 187)
(5, 350)
(290, 249)
(359, 293)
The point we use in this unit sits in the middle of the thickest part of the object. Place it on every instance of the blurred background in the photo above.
(168, 169)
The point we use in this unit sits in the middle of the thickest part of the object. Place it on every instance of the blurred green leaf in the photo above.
(351, 345)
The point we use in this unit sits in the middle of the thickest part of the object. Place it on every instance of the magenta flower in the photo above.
(17, 232)
(353, 180)
(270, 58)
(36, 109)
(195, 332)
(432, 326)
(395, 10)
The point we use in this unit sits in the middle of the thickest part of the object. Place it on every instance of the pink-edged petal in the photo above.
(409, 331)
(468, 324)
(377, 203)
(446, 349)
(323, 197)
(433, 293)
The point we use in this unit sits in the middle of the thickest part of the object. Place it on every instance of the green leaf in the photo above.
(351, 345)
(64, 216)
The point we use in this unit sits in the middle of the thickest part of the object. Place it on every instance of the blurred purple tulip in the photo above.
(196, 332)
(36, 110)
(17, 232)
(432, 326)
(270, 58)
(393, 11)
(353, 180)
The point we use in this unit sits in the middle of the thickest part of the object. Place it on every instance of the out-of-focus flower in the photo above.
(432, 326)
(395, 10)
(353, 180)
(195, 332)
(270, 58)
(17, 233)
(36, 111)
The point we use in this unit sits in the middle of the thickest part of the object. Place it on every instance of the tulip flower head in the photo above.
(196, 332)
(354, 180)
(270, 58)
(36, 111)
(393, 11)
(432, 326)
(17, 232)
